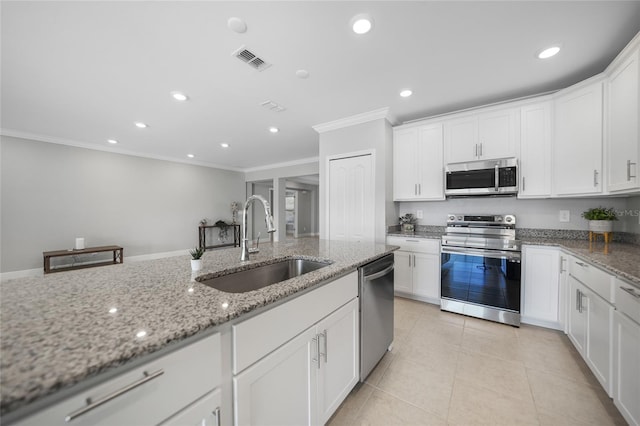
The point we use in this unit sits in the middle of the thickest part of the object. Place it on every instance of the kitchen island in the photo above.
(63, 329)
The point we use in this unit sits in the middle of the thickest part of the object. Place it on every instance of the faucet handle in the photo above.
(255, 249)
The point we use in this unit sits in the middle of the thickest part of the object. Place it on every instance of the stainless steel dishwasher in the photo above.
(376, 312)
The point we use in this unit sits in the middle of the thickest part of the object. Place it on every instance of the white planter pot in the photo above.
(601, 225)
(196, 264)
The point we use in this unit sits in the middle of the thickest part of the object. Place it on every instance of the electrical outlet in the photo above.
(419, 214)
(564, 216)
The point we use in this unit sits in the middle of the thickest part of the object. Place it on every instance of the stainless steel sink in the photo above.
(262, 276)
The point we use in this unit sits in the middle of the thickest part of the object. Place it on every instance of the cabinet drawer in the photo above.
(595, 278)
(416, 245)
(628, 300)
(258, 336)
(165, 386)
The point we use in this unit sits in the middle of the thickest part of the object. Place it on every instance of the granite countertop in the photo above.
(60, 329)
(621, 259)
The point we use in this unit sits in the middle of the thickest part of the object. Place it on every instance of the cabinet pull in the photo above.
(475, 152)
(497, 177)
(578, 300)
(216, 413)
(94, 404)
(631, 291)
(415, 189)
(480, 155)
(584, 265)
(419, 189)
(629, 164)
(523, 184)
(409, 261)
(562, 260)
(323, 335)
(595, 178)
(316, 357)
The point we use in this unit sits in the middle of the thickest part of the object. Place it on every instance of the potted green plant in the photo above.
(407, 222)
(196, 261)
(600, 219)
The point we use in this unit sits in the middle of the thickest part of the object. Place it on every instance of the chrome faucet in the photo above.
(244, 249)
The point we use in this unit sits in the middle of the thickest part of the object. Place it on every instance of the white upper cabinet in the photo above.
(482, 136)
(535, 151)
(418, 163)
(623, 122)
(577, 153)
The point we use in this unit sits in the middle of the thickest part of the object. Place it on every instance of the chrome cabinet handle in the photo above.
(497, 177)
(216, 413)
(631, 291)
(584, 265)
(419, 189)
(480, 155)
(595, 178)
(94, 404)
(523, 184)
(629, 164)
(578, 300)
(323, 335)
(562, 260)
(316, 357)
(415, 189)
(475, 152)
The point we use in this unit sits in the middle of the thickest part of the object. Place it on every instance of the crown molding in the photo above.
(355, 119)
(285, 164)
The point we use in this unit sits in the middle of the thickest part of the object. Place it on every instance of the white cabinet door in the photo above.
(351, 199)
(626, 394)
(540, 276)
(461, 139)
(577, 153)
(599, 338)
(497, 135)
(280, 389)
(405, 164)
(577, 327)
(623, 123)
(535, 151)
(430, 162)
(339, 370)
(204, 412)
(426, 276)
(403, 272)
(418, 163)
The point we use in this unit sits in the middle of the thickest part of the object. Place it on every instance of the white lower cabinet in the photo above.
(179, 388)
(417, 268)
(626, 393)
(294, 364)
(591, 320)
(541, 286)
(305, 380)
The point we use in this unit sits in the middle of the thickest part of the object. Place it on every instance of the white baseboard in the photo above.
(38, 272)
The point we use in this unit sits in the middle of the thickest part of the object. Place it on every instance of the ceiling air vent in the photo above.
(251, 59)
(272, 106)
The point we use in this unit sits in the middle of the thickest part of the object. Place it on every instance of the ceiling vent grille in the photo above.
(272, 106)
(251, 59)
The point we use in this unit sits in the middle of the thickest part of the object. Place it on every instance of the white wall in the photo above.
(51, 194)
(539, 214)
(374, 135)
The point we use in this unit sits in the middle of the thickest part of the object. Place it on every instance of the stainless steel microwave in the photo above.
(486, 177)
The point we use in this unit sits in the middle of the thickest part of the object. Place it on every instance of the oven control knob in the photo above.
(460, 218)
(509, 219)
(499, 219)
(452, 218)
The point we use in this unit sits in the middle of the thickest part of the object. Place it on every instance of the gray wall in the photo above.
(373, 135)
(540, 214)
(51, 194)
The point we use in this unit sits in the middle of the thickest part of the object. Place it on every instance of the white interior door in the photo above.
(351, 199)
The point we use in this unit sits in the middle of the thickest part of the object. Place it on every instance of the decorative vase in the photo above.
(196, 264)
(601, 226)
(408, 227)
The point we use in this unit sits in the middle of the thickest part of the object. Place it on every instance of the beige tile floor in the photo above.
(450, 369)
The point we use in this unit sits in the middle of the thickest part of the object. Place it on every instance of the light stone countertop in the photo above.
(57, 330)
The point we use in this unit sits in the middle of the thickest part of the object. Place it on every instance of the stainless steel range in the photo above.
(480, 272)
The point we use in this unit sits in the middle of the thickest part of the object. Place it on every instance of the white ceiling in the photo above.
(83, 72)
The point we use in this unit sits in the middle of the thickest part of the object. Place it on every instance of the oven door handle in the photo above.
(493, 254)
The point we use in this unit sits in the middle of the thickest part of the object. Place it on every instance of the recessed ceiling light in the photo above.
(361, 23)
(224, 145)
(274, 129)
(302, 74)
(190, 155)
(179, 96)
(549, 52)
(112, 141)
(237, 25)
(140, 125)
(405, 93)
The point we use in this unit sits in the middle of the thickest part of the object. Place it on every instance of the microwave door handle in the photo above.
(497, 178)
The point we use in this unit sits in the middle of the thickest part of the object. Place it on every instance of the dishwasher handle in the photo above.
(378, 274)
